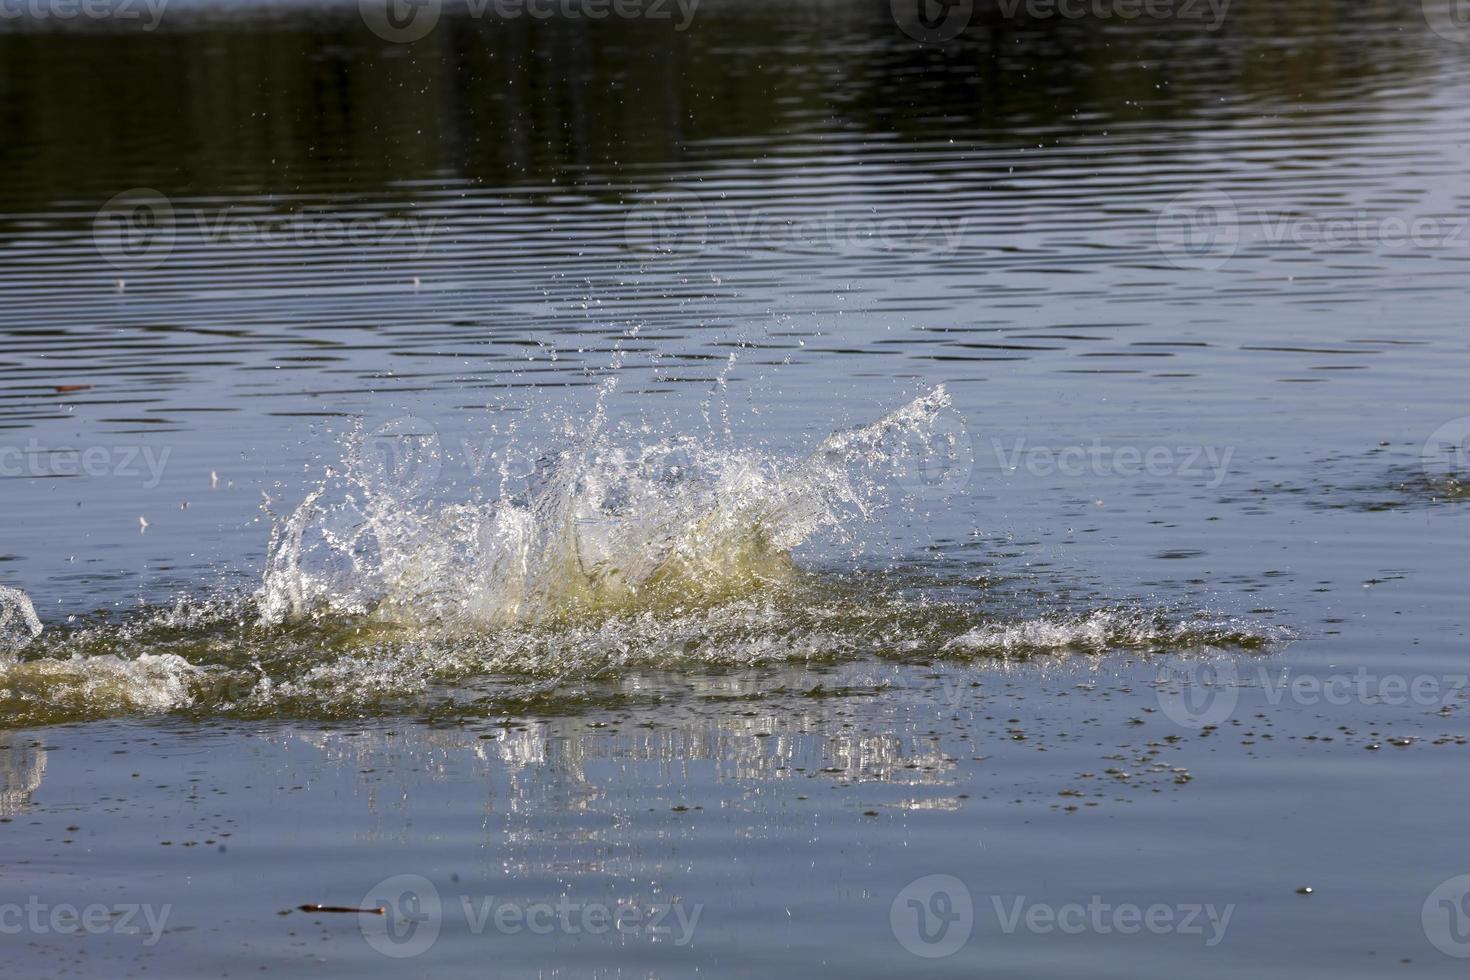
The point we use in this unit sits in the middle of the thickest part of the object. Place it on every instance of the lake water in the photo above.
(735, 490)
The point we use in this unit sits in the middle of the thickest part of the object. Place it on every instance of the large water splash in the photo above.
(599, 529)
(612, 556)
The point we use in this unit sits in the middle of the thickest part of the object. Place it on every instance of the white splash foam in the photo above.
(600, 529)
(19, 624)
(1111, 629)
(95, 686)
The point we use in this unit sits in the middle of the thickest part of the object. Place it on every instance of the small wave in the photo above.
(1114, 629)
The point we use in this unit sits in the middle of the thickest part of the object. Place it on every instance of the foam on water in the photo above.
(222, 660)
(611, 557)
(1113, 629)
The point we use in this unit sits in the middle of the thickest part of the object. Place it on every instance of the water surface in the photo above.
(1159, 604)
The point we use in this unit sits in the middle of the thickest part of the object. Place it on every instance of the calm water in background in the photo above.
(857, 218)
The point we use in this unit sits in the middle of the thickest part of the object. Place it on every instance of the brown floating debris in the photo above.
(342, 909)
(63, 389)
